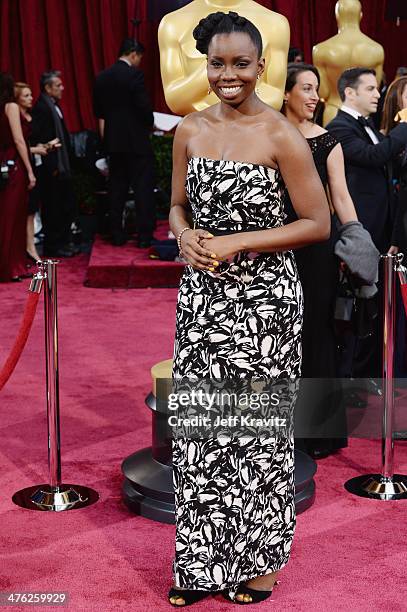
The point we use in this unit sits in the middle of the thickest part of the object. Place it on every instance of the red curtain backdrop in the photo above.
(81, 37)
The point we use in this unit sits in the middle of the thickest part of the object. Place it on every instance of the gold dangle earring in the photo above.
(209, 90)
(257, 88)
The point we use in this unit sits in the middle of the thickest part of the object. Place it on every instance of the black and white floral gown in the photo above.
(235, 514)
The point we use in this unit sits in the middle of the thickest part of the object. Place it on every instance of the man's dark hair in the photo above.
(130, 45)
(47, 78)
(225, 23)
(401, 71)
(293, 52)
(6, 88)
(351, 78)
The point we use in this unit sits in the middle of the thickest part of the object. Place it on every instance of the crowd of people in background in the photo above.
(35, 154)
(36, 175)
(363, 169)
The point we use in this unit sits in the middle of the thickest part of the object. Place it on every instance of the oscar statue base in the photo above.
(148, 487)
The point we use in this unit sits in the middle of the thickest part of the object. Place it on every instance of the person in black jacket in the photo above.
(368, 155)
(125, 120)
(54, 172)
(367, 152)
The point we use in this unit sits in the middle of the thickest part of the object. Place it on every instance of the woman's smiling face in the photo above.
(303, 97)
(233, 66)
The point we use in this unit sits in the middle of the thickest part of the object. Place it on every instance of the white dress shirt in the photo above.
(356, 114)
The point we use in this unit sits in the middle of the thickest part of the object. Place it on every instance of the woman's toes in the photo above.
(245, 597)
(177, 601)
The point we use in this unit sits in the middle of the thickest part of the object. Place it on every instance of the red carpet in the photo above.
(129, 267)
(349, 553)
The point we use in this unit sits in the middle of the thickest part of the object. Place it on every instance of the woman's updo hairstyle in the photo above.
(225, 23)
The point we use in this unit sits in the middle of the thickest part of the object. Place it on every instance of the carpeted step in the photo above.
(130, 267)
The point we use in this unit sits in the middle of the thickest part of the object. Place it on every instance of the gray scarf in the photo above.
(64, 167)
(355, 247)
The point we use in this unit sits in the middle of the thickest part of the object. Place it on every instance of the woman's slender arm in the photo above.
(13, 115)
(341, 200)
(196, 255)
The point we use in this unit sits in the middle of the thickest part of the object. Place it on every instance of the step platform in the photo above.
(128, 267)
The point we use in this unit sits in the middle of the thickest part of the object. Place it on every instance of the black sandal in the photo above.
(256, 595)
(189, 596)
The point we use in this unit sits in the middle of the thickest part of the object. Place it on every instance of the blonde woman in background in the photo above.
(24, 99)
(14, 154)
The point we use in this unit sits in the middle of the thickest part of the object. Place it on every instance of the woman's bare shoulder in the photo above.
(193, 122)
(11, 107)
(317, 130)
(281, 130)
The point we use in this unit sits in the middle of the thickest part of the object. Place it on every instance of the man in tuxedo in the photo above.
(54, 172)
(125, 120)
(368, 156)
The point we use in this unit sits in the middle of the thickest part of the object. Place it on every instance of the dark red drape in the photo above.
(81, 37)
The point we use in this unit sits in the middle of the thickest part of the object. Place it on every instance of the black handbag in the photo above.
(353, 312)
(7, 167)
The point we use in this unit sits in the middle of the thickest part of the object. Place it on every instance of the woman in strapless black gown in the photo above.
(320, 405)
(239, 315)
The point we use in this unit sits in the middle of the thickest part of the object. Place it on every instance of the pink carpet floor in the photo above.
(349, 553)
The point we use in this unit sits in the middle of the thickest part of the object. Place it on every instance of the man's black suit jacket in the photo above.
(120, 98)
(43, 130)
(367, 173)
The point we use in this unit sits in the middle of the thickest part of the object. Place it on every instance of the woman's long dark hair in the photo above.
(392, 103)
(6, 89)
(296, 68)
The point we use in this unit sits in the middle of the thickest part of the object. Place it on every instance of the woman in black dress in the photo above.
(395, 110)
(318, 268)
(394, 103)
(239, 315)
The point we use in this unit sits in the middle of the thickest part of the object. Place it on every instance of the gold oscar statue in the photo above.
(183, 68)
(348, 49)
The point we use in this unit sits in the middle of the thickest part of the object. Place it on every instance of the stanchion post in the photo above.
(52, 373)
(387, 485)
(388, 367)
(55, 496)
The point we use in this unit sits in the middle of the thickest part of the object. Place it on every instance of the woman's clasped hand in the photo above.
(204, 251)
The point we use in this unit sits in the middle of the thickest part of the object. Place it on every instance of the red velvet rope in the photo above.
(21, 339)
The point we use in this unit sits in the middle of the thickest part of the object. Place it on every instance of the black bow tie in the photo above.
(366, 122)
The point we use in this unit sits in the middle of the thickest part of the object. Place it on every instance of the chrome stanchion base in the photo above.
(49, 499)
(376, 486)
